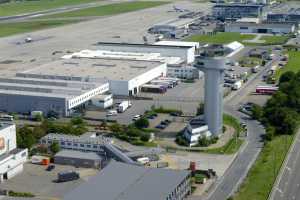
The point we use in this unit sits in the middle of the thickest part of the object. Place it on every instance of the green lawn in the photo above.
(21, 7)
(292, 65)
(110, 9)
(220, 38)
(274, 40)
(22, 27)
(262, 175)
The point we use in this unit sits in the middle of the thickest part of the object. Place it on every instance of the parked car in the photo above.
(161, 126)
(175, 114)
(167, 121)
(50, 168)
(111, 113)
(136, 117)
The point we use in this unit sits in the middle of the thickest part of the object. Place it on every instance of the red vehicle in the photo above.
(266, 89)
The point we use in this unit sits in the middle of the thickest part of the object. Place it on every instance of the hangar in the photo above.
(124, 76)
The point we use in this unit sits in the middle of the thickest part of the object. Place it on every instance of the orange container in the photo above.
(46, 161)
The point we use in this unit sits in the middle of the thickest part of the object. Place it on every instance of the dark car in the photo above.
(50, 168)
(175, 114)
(167, 121)
(161, 126)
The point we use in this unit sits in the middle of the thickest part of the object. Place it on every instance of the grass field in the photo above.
(274, 40)
(220, 38)
(262, 175)
(292, 65)
(21, 7)
(110, 9)
(22, 27)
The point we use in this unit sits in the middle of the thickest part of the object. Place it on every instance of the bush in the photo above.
(180, 140)
(20, 194)
(142, 123)
(145, 137)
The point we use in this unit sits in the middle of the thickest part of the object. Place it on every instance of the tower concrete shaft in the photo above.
(213, 68)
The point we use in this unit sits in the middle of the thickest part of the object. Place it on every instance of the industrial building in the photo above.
(11, 158)
(89, 141)
(79, 159)
(259, 27)
(103, 101)
(185, 53)
(124, 76)
(184, 72)
(233, 11)
(128, 182)
(288, 13)
(172, 28)
(35, 92)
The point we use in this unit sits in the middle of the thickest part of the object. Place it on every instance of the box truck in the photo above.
(237, 85)
(124, 105)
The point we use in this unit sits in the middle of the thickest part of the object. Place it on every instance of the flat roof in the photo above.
(4, 125)
(120, 181)
(89, 137)
(265, 25)
(237, 5)
(139, 45)
(99, 68)
(78, 154)
(178, 43)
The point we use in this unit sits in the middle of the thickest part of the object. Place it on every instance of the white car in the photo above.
(111, 113)
(136, 117)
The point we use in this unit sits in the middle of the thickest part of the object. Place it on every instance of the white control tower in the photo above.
(213, 68)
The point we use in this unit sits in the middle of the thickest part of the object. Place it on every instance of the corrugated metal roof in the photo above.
(78, 154)
(119, 181)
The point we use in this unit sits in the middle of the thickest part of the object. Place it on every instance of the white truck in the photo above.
(237, 85)
(124, 105)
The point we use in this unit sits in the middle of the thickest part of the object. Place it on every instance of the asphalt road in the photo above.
(287, 185)
(229, 183)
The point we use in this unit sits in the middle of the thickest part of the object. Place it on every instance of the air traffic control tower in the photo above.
(212, 62)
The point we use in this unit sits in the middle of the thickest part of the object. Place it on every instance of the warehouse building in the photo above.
(249, 27)
(129, 182)
(34, 92)
(11, 158)
(233, 11)
(124, 76)
(79, 159)
(185, 53)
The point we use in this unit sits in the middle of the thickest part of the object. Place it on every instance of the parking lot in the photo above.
(185, 97)
(36, 180)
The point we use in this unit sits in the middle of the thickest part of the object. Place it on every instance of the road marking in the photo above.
(289, 169)
(279, 190)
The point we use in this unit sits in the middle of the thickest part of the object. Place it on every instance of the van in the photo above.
(111, 113)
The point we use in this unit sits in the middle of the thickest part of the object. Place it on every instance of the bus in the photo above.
(266, 90)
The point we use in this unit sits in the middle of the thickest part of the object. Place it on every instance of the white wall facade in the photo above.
(87, 96)
(185, 72)
(185, 53)
(104, 101)
(255, 29)
(13, 160)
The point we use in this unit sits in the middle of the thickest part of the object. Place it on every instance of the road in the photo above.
(287, 185)
(229, 183)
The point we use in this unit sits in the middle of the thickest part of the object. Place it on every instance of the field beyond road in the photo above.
(292, 65)
(111, 9)
(22, 7)
(221, 38)
(262, 175)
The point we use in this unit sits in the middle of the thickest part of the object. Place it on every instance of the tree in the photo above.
(286, 77)
(54, 147)
(142, 123)
(38, 132)
(25, 137)
(257, 112)
(77, 121)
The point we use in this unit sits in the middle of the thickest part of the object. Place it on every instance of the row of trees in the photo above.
(28, 136)
(281, 113)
